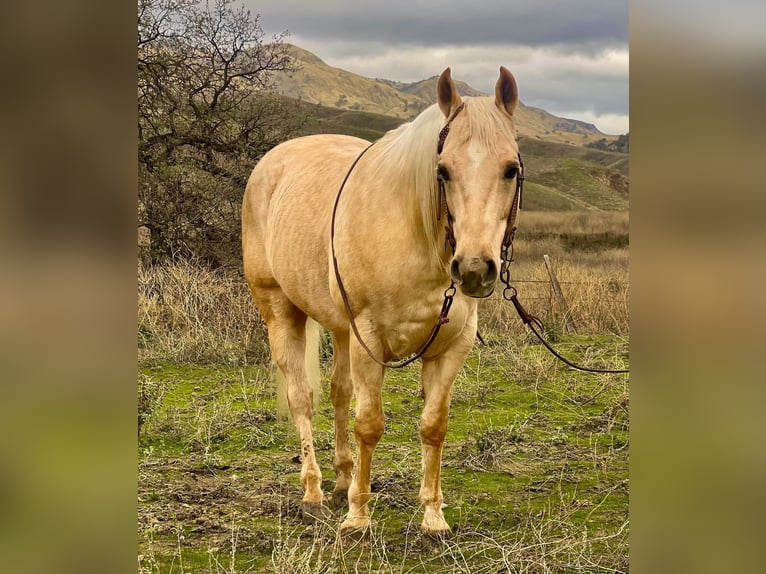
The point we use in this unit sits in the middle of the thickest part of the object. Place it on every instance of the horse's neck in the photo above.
(402, 172)
(393, 220)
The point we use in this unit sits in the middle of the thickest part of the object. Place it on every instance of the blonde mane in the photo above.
(406, 157)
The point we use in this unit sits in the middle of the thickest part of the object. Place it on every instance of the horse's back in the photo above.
(291, 160)
(286, 216)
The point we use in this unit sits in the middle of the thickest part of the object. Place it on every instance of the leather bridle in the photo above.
(450, 292)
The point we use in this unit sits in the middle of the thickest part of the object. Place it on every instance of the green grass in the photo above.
(563, 177)
(539, 197)
(584, 182)
(534, 471)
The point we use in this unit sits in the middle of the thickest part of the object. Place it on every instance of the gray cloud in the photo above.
(569, 56)
(533, 23)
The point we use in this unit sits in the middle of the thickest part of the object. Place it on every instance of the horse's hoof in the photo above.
(355, 530)
(339, 499)
(314, 512)
(434, 525)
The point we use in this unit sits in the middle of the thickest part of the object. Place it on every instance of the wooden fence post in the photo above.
(568, 323)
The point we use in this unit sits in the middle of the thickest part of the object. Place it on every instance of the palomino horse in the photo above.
(389, 238)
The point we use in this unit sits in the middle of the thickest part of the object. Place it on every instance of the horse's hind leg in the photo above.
(340, 392)
(287, 337)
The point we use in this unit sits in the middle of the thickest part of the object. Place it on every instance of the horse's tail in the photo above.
(313, 336)
(311, 363)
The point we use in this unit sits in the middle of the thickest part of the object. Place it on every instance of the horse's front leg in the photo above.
(367, 377)
(438, 375)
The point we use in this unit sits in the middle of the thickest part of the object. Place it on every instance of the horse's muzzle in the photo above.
(475, 276)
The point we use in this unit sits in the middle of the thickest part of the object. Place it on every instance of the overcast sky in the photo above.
(570, 57)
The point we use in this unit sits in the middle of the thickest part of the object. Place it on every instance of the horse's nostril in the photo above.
(491, 275)
(455, 272)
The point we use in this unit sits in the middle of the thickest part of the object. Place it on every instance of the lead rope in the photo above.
(449, 292)
(534, 323)
(510, 293)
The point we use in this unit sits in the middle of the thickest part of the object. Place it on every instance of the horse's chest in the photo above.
(405, 330)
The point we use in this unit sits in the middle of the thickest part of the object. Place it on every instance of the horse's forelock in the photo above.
(486, 123)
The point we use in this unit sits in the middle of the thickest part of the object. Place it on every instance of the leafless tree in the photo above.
(205, 116)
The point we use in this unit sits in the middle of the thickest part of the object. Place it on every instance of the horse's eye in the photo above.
(442, 173)
(511, 171)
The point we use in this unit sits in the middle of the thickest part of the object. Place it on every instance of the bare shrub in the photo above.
(206, 114)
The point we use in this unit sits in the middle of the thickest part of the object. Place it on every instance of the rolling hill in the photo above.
(563, 177)
(316, 82)
(562, 173)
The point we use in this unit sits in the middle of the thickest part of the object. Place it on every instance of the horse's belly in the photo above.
(299, 264)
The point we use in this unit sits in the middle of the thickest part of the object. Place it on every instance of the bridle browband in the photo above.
(450, 292)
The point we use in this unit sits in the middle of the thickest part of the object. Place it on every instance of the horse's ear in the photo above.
(506, 91)
(446, 93)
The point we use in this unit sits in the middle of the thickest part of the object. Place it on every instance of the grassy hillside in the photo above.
(563, 177)
(365, 125)
(547, 154)
(560, 177)
(539, 124)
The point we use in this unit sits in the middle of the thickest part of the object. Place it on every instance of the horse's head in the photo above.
(479, 165)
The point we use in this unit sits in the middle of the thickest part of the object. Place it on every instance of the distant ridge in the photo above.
(563, 174)
(426, 89)
(316, 82)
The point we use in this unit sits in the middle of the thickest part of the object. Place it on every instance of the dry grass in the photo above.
(190, 314)
(541, 548)
(536, 223)
(596, 296)
(544, 542)
(535, 472)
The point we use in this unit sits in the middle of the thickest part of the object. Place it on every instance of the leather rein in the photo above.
(450, 240)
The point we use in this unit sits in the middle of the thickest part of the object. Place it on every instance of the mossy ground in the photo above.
(535, 471)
